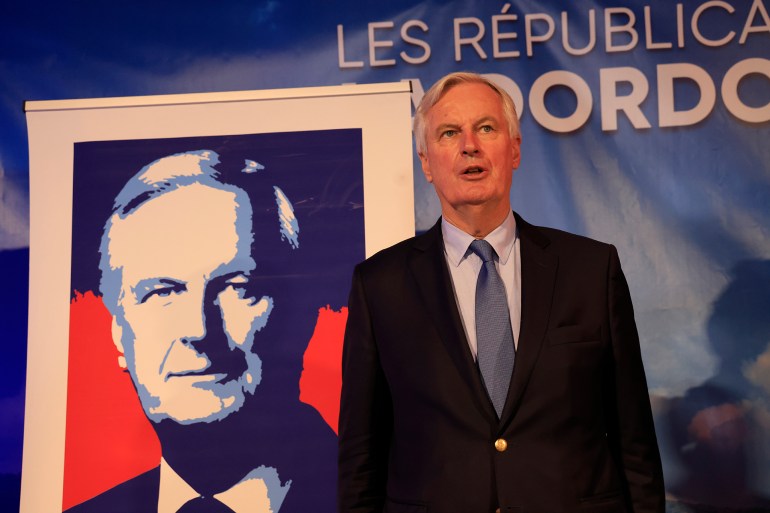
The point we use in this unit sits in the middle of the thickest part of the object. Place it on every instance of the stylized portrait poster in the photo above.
(207, 288)
(215, 306)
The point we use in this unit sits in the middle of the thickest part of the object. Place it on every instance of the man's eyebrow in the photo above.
(244, 266)
(455, 126)
(148, 284)
(155, 280)
(230, 275)
(487, 119)
(444, 126)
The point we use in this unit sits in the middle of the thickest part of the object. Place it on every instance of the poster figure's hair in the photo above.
(440, 88)
(169, 174)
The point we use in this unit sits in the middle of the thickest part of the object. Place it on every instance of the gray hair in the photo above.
(440, 88)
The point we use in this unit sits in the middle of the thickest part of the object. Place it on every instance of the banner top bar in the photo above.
(217, 97)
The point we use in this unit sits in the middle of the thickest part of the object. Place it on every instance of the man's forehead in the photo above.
(468, 98)
(470, 90)
(190, 204)
(180, 228)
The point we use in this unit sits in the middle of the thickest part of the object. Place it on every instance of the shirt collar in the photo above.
(260, 490)
(174, 491)
(456, 241)
(249, 493)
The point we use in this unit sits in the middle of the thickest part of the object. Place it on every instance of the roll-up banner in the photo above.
(190, 263)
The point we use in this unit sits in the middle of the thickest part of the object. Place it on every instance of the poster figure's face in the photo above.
(187, 314)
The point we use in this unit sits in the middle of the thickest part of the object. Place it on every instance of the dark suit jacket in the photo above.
(300, 445)
(417, 429)
(140, 495)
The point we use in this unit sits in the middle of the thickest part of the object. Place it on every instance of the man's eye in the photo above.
(448, 133)
(242, 288)
(486, 129)
(162, 291)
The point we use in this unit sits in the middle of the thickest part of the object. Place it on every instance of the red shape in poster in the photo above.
(109, 440)
(321, 380)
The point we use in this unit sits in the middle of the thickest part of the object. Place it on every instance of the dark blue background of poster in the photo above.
(321, 172)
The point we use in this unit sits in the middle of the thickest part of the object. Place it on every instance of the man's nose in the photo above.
(194, 320)
(470, 143)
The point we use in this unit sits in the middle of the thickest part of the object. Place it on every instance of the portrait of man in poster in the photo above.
(213, 276)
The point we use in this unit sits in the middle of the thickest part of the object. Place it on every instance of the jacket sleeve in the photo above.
(366, 417)
(630, 427)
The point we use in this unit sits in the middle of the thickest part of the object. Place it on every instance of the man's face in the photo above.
(187, 316)
(470, 155)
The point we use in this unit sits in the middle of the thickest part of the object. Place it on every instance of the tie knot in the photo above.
(483, 249)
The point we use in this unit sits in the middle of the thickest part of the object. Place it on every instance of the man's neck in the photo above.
(477, 220)
(234, 445)
(229, 445)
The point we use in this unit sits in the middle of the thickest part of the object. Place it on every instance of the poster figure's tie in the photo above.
(494, 338)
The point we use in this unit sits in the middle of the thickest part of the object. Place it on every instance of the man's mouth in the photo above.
(218, 371)
(198, 375)
(473, 171)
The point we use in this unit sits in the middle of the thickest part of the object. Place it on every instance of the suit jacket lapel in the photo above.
(429, 270)
(538, 276)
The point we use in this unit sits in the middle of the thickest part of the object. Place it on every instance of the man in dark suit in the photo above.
(541, 407)
(202, 289)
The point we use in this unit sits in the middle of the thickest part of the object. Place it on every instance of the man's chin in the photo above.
(202, 406)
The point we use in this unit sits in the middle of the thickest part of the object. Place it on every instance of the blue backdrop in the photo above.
(645, 124)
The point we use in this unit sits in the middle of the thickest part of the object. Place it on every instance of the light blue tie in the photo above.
(494, 339)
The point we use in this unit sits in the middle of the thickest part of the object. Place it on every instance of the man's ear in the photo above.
(517, 153)
(425, 167)
(117, 334)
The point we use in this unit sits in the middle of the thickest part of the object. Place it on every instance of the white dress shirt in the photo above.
(464, 266)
